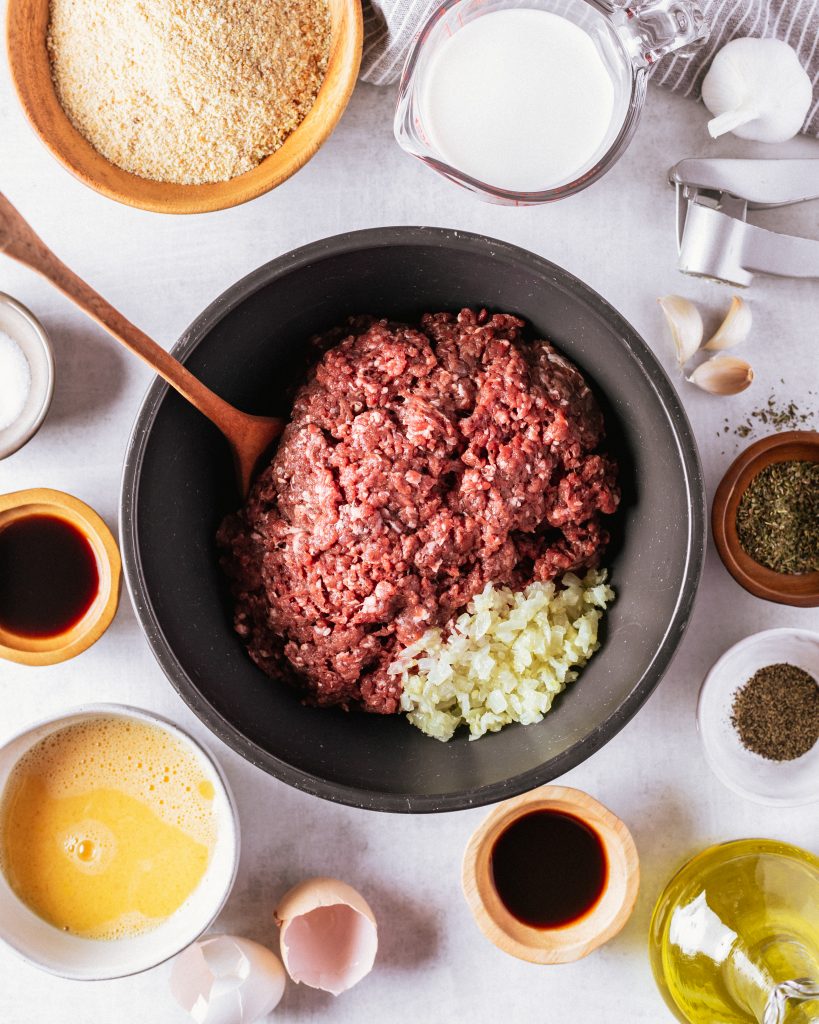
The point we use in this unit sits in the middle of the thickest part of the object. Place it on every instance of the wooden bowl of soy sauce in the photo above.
(59, 576)
(551, 875)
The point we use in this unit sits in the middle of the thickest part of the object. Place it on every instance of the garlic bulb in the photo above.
(723, 375)
(685, 323)
(734, 328)
(758, 90)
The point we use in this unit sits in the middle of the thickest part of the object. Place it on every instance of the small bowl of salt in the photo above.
(26, 375)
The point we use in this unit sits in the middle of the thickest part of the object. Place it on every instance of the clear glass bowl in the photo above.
(776, 783)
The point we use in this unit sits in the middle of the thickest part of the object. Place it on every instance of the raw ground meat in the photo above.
(419, 464)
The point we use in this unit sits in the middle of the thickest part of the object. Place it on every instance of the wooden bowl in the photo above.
(599, 924)
(27, 25)
(52, 649)
(798, 589)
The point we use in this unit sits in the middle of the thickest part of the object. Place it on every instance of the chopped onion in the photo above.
(505, 658)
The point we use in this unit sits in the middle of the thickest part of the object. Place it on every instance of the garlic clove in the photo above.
(685, 323)
(757, 89)
(734, 328)
(723, 375)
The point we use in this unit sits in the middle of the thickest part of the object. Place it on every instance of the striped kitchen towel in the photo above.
(391, 25)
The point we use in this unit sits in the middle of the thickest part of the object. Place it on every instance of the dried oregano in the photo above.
(778, 517)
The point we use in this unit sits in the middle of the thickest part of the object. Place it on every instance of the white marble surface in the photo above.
(161, 271)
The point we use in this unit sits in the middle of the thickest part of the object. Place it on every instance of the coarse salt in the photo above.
(15, 380)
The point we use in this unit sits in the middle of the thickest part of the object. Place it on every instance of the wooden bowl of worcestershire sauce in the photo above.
(59, 576)
(551, 875)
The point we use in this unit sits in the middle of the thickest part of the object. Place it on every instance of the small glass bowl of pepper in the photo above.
(765, 518)
(758, 717)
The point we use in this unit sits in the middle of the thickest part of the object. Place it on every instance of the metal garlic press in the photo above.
(713, 236)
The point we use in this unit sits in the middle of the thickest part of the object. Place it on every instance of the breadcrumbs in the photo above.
(188, 91)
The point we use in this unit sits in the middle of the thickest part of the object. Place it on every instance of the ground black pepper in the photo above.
(778, 517)
(776, 713)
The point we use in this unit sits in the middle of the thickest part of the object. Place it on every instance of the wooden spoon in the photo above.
(249, 436)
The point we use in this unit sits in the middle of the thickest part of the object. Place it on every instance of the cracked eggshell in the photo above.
(227, 980)
(328, 934)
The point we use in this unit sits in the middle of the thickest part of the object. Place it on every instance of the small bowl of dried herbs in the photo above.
(765, 518)
(758, 717)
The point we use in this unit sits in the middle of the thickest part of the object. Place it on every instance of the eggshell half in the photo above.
(227, 980)
(329, 936)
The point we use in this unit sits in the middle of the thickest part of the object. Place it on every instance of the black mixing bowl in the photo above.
(249, 346)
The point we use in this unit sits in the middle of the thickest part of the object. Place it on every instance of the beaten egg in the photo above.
(106, 827)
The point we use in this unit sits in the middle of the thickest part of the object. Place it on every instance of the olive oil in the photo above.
(735, 936)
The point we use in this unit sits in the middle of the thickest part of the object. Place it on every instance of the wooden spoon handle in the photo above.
(18, 240)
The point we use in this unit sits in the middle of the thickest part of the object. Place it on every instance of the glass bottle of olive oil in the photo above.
(735, 936)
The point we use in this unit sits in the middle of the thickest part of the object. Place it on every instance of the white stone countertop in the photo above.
(161, 271)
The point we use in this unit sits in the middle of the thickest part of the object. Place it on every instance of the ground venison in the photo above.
(419, 464)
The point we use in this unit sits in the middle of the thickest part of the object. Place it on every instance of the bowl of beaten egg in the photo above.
(118, 842)
(170, 107)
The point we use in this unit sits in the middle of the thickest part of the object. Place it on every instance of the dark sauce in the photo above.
(48, 576)
(549, 868)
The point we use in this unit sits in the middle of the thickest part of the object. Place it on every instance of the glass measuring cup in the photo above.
(628, 39)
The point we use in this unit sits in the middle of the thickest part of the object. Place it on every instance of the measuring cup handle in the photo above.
(658, 27)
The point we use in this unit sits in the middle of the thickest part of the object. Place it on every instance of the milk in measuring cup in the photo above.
(519, 99)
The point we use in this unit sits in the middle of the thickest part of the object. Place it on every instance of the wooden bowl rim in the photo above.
(568, 942)
(51, 650)
(798, 590)
(172, 197)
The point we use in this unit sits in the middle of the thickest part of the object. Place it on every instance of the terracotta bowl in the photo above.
(599, 924)
(800, 590)
(27, 24)
(52, 649)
